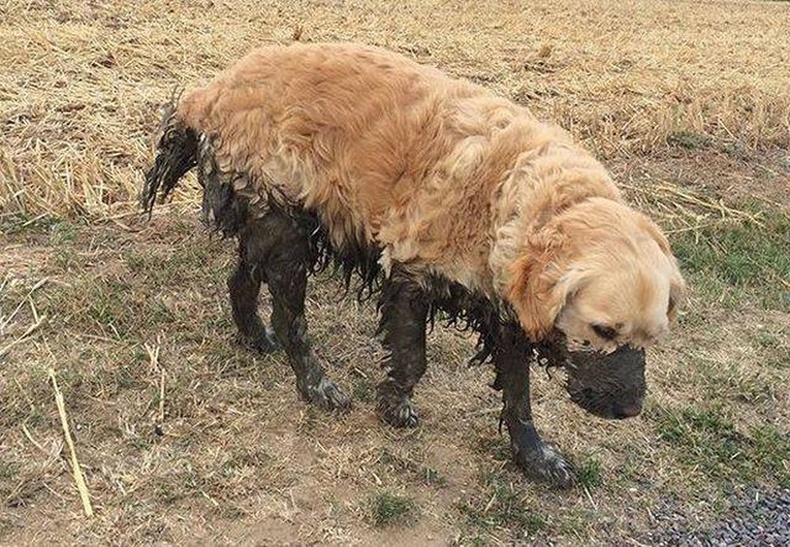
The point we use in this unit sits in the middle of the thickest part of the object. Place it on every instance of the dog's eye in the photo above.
(607, 333)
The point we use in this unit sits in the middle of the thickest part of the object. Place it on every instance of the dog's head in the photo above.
(596, 285)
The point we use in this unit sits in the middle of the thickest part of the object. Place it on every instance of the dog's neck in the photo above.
(542, 184)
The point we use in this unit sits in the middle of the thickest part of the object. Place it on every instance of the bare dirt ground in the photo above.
(186, 438)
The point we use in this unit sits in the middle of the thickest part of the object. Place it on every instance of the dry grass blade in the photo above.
(29, 331)
(153, 356)
(683, 210)
(677, 194)
(32, 440)
(6, 321)
(38, 321)
(590, 498)
(79, 479)
(162, 397)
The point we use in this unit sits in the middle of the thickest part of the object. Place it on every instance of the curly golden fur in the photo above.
(446, 179)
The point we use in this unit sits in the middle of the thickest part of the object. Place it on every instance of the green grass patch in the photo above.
(495, 447)
(473, 541)
(22, 223)
(733, 382)
(182, 265)
(589, 472)
(766, 339)
(432, 476)
(689, 140)
(773, 449)
(62, 232)
(709, 442)
(362, 390)
(503, 505)
(108, 306)
(408, 467)
(575, 522)
(387, 509)
(778, 359)
(742, 256)
(8, 470)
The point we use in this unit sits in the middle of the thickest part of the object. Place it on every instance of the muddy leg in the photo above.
(223, 211)
(538, 459)
(285, 254)
(404, 309)
(244, 285)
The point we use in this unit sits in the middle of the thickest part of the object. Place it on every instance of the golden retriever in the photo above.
(443, 196)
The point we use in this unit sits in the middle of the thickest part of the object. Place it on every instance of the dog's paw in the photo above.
(547, 464)
(395, 408)
(402, 414)
(326, 394)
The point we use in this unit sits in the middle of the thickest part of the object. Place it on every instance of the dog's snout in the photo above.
(612, 385)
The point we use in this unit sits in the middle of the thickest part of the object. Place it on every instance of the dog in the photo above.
(442, 198)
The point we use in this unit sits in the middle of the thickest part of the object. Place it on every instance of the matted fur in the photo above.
(447, 180)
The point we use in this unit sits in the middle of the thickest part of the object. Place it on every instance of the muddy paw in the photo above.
(263, 341)
(326, 394)
(394, 408)
(546, 463)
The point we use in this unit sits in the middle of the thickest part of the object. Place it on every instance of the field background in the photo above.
(184, 437)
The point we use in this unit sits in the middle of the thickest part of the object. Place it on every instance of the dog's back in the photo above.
(394, 153)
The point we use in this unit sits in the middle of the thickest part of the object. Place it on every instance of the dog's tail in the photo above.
(176, 154)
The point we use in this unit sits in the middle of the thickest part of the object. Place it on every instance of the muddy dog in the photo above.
(442, 198)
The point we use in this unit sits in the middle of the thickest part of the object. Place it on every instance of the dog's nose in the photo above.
(627, 411)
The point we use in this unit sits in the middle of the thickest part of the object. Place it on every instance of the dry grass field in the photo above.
(184, 437)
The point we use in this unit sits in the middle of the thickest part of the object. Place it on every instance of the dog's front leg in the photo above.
(539, 460)
(404, 309)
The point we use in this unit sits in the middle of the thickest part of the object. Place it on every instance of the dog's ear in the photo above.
(677, 285)
(541, 283)
(677, 295)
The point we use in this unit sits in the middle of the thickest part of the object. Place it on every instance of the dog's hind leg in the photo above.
(224, 211)
(278, 246)
(512, 356)
(404, 309)
(244, 286)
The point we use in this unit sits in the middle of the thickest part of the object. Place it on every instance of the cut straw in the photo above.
(79, 479)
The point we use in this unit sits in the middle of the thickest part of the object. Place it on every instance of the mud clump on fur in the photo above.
(176, 155)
